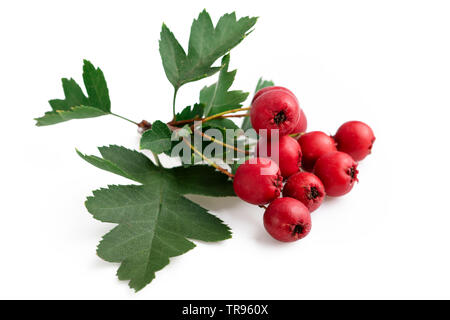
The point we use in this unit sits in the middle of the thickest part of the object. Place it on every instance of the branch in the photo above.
(221, 143)
(209, 161)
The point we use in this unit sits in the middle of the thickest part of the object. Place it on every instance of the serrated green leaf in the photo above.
(189, 112)
(263, 84)
(206, 44)
(217, 98)
(153, 226)
(221, 124)
(199, 179)
(154, 220)
(76, 104)
(157, 139)
(77, 112)
(96, 87)
(74, 96)
(246, 124)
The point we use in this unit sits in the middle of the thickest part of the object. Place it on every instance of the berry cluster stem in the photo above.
(209, 161)
(212, 139)
(218, 115)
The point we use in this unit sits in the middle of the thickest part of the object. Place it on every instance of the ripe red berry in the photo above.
(275, 110)
(302, 124)
(267, 89)
(315, 144)
(355, 138)
(337, 171)
(306, 188)
(287, 219)
(289, 154)
(258, 181)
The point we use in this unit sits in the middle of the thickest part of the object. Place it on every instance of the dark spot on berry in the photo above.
(298, 229)
(278, 183)
(353, 173)
(312, 193)
(280, 117)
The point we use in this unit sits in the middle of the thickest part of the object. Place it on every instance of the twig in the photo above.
(179, 122)
(298, 134)
(210, 162)
(217, 115)
(119, 116)
(221, 143)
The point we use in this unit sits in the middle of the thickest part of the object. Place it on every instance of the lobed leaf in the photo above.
(189, 112)
(76, 104)
(154, 219)
(157, 139)
(199, 179)
(153, 225)
(206, 44)
(217, 98)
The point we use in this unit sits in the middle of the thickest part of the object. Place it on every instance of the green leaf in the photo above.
(189, 113)
(77, 112)
(158, 138)
(246, 124)
(217, 98)
(153, 225)
(221, 124)
(263, 84)
(154, 219)
(206, 44)
(76, 104)
(199, 179)
(96, 87)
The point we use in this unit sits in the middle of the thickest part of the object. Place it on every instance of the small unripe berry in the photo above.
(287, 219)
(306, 188)
(338, 173)
(258, 181)
(314, 145)
(275, 110)
(289, 154)
(355, 138)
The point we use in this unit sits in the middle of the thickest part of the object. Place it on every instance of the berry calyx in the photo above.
(306, 188)
(355, 138)
(289, 155)
(287, 220)
(258, 181)
(275, 109)
(314, 145)
(338, 173)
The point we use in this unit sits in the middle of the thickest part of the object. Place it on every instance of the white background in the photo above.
(383, 62)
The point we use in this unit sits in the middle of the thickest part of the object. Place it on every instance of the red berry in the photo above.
(289, 154)
(258, 181)
(355, 138)
(267, 89)
(337, 171)
(287, 219)
(306, 188)
(275, 109)
(315, 144)
(302, 124)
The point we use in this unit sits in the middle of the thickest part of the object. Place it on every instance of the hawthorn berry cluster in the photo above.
(154, 220)
(311, 165)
